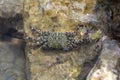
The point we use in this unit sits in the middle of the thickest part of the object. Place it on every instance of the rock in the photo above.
(12, 27)
(58, 16)
(107, 66)
(9, 8)
(11, 18)
(108, 15)
(12, 62)
(63, 16)
(63, 65)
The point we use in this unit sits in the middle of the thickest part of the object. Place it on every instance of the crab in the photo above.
(60, 41)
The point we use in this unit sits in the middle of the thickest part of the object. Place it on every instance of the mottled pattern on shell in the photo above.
(57, 40)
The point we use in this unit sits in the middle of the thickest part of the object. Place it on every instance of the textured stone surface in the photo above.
(63, 16)
(12, 61)
(107, 66)
(63, 65)
(11, 20)
(58, 16)
(10, 26)
(9, 8)
(108, 15)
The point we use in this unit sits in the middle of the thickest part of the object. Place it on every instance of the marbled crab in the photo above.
(60, 41)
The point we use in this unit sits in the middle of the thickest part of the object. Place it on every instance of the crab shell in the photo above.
(57, 40)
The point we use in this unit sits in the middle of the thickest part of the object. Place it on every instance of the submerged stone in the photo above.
(12, 62)
(106, 67)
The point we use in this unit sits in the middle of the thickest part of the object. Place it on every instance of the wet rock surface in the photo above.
(59, 16)
(12, 61)
(107, 66)
(11, 27)
(63, 65)
(9, 8)
(12, 55)
(108, 15)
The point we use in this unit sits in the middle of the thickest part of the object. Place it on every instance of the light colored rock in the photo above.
(105, 68)
(43, 64)
(58, 16)
(12, 62)
(9, 8)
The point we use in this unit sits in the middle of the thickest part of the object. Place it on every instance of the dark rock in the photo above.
(11, 27)
(108, 15)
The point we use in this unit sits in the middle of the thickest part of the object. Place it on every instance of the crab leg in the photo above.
(34, 43)
(35, 31)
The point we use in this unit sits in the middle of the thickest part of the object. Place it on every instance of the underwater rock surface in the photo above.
(12, 62)
(63, 65)
(59, 16)
(12, 26)
(108, 16)
(107, 66)
(9, 8)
